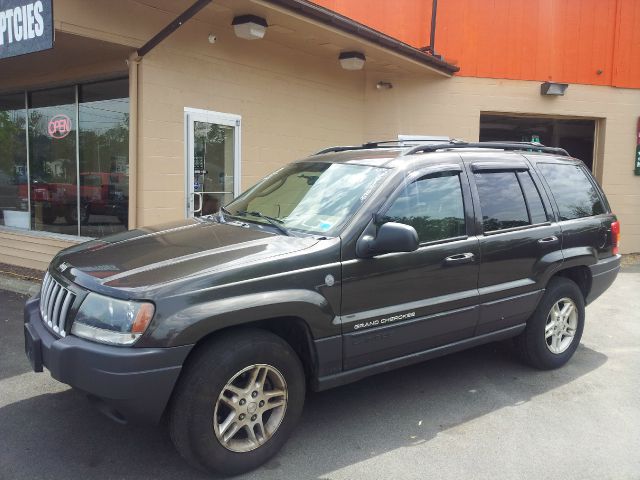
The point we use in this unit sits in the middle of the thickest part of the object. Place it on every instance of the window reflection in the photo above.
(40, 162)
(14, 206)
(573, 191)
(213, 166)
(433, 206)
(501, 201)
(104, 158)
(52, 160)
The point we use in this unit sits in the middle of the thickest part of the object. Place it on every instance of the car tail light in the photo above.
(615, 236)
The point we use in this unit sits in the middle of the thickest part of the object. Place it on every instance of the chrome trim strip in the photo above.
(56, 308)
(65, 311)
(403, 307)
(54, 292)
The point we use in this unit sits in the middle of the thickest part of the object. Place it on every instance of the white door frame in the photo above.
(198, 115)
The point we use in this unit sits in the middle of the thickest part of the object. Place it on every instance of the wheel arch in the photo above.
(293, 330)
(580, 275)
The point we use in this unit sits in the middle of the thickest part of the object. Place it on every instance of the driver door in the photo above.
(397, 304)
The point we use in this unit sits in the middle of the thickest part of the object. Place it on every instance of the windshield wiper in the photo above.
(276, 222)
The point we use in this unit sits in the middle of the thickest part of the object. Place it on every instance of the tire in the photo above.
(197, 413)
(533, 345)
(49, 216)
(71, 215)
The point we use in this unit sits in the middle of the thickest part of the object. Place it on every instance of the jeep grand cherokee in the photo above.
(354, 261)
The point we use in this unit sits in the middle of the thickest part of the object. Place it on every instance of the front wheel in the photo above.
(237, 402)
(554, 330)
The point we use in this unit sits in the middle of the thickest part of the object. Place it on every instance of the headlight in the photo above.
(108, 320)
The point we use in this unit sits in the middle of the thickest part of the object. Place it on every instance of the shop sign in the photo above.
(59, 126)
(637, 170)
(25, 27)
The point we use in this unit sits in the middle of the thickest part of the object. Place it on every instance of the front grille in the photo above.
(55, 302)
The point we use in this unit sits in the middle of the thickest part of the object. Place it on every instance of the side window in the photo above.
(501, 201)
(532, 194)
(573, 191)
(433, 206)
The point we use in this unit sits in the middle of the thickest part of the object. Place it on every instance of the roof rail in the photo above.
(403, 141)
(364, 146)
(512, 146)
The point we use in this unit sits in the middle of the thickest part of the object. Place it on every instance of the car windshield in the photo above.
(308, 197)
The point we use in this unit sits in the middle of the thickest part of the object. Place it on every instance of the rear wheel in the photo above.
(237, 402)
(554, 330)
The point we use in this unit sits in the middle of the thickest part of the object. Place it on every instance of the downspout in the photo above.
(133, 63)
(134, 102)
(432, 34)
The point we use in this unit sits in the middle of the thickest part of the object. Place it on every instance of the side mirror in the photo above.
(392, 237)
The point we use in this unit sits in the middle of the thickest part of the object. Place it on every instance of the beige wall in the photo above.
(452, 107)
(294, 101)
(291, 104)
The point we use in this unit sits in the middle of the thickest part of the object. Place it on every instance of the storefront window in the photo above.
(71, 175)
(52, 160)
(104, 157)
(14, 201)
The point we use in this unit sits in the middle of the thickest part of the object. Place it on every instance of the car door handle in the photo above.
(548, 240)
(459, 259)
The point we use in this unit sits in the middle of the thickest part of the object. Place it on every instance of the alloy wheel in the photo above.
(250, 408)
(561, 326)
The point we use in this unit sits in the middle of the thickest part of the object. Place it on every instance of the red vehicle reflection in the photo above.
(100, 194)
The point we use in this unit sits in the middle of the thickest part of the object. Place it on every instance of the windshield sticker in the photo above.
(371, 187)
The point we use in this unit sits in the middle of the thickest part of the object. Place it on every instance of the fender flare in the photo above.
(190, 325)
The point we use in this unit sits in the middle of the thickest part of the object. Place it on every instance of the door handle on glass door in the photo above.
(459, 259)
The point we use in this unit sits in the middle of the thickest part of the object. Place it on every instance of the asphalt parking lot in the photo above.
(476, 414)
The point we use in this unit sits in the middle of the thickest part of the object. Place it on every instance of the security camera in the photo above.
(212, 38)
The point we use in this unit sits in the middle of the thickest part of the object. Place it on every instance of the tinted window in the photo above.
(536, 208)
(501, 201)
(431, 205)
(573, 191)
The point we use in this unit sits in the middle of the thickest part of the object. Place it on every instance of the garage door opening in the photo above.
(577, 136)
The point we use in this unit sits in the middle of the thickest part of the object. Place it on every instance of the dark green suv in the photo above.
(354, 261)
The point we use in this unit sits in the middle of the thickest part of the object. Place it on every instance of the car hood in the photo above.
(152, 256)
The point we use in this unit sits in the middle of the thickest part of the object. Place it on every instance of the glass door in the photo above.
(213, 160)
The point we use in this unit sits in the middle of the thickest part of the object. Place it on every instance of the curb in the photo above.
(18, 285)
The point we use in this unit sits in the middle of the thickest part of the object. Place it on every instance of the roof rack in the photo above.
(453, 143)
(402, 141)
(512, 146)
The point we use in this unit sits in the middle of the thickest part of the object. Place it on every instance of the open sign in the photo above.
(59, 126)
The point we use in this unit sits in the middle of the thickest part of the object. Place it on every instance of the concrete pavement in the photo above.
(477, 414)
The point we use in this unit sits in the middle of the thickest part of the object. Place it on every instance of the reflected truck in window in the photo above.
(351, 262)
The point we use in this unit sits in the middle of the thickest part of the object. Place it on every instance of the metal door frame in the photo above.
(192, 115)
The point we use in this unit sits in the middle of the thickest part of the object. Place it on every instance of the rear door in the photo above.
(402, 303)
(520, 243)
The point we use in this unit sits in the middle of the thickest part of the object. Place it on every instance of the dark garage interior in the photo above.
(574, 135)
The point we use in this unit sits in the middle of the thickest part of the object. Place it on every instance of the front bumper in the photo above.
(129, 384)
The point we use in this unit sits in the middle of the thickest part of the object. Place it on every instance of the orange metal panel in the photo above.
(575, 41)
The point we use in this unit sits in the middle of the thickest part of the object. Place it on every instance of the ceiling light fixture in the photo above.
(352, 60)
(384, 85)
(249, 27)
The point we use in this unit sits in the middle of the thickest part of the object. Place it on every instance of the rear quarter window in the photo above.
(572, 190)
